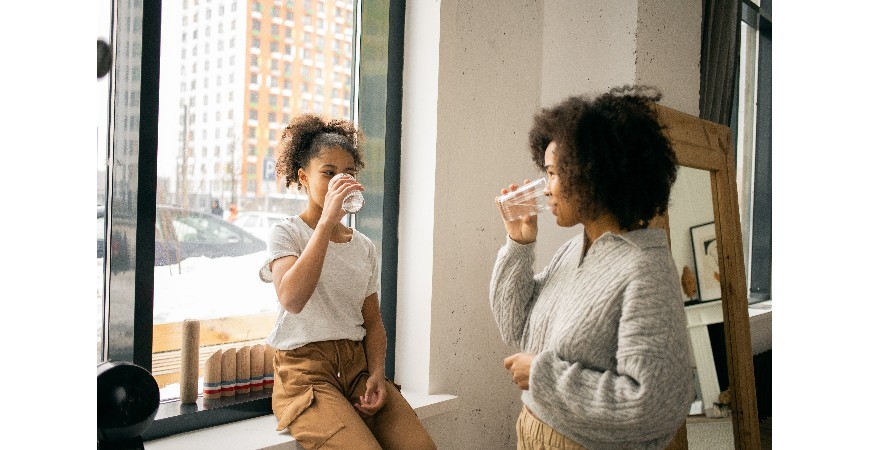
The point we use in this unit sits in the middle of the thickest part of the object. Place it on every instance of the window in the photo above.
(185, 190)
(752, 121)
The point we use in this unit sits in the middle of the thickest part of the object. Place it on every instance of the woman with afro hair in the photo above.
(330, 389)
(604, 361)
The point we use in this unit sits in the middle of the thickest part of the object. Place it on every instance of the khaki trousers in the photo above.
(532, 434)
(315, 388)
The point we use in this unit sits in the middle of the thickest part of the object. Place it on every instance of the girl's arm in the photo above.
(375, 343)
(375, 340)
(294, 277)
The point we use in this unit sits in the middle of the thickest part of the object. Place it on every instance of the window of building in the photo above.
(138, 336)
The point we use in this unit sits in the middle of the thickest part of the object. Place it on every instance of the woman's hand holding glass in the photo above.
(525, 229)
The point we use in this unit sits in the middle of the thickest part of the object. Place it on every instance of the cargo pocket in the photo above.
(311, 430)
(295, 408)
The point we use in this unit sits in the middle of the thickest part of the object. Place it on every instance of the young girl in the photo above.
(330, 341)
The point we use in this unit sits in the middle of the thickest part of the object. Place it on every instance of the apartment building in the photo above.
(246, 68)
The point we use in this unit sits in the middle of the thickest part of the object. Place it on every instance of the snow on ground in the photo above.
(207, 288)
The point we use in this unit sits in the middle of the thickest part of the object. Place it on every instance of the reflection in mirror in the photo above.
(693, 245)
(689, 214)
(703, 222)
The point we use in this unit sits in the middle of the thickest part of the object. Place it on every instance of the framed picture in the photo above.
(706, 253)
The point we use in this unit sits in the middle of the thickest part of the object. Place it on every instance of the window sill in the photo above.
(174, 418)
(258, 432)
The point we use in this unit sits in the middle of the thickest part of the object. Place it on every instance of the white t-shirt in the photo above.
(334, 311)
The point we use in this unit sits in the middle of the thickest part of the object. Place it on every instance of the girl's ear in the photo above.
(302, 177)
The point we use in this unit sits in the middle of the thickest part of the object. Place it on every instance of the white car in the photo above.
(258, 223)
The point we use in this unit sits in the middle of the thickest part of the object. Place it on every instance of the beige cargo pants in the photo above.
(532, 434)
(315, 388)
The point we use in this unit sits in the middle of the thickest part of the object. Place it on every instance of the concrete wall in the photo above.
(475, 74)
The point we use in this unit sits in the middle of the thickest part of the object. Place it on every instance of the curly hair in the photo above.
(306, 135)
(613, 153)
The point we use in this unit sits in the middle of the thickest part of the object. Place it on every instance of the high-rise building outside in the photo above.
(246, 68)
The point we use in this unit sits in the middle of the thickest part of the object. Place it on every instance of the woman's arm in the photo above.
(514, 287)
(511, 290)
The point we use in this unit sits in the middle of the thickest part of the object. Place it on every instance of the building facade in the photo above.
(247, 67)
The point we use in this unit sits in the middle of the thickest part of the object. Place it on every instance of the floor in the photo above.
(715, 434)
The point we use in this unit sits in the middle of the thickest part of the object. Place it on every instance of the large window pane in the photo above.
(104, 27)
(232, 74)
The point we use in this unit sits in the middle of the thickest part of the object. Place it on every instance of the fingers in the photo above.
(372, 402)
(364, 411)
(341, 183)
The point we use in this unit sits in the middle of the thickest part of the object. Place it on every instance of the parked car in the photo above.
(181, 234)
(258, 223)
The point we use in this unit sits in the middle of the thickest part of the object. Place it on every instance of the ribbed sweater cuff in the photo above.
(515, 249)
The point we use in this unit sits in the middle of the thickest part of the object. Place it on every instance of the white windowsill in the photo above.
(259, 433)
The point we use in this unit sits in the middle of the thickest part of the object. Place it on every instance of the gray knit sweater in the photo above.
(613, 368)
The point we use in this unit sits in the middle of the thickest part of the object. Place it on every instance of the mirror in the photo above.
(704, 228)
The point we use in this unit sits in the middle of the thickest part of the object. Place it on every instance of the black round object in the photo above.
(104, 58)
(127, 400)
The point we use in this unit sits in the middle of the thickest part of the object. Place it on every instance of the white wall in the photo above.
(465, 137)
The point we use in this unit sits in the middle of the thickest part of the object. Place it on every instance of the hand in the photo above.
(525, 229)
(520, 365)
(374, 398)
(337, 190)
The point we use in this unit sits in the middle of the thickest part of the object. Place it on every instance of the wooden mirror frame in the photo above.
(706, 145)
